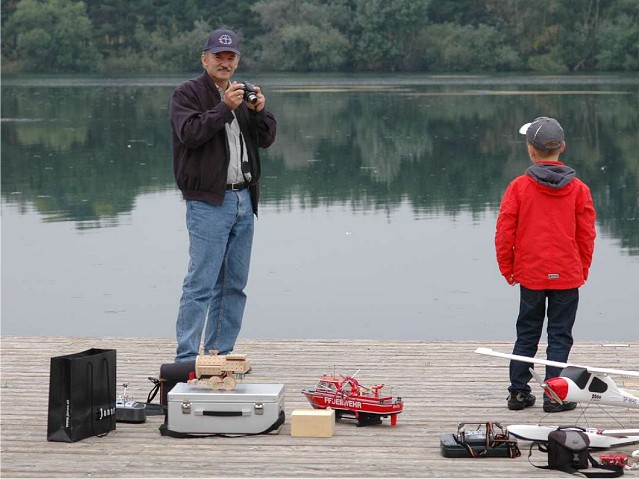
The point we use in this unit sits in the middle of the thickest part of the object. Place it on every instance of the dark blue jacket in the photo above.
(200, 147)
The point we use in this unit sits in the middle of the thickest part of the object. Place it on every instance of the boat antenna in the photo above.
(356, 372)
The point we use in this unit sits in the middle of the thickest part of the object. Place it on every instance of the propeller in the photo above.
(544, 386)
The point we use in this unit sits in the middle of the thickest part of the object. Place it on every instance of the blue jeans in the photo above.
(562, 310)
(220, 242)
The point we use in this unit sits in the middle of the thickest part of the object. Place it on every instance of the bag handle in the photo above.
(511, 444)
(491, 440)
(615, 470)
(570, 428)
(221, 413)
(153, 409)
(154, 390)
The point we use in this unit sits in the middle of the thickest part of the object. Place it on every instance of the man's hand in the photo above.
(234, 95)
(511, 280)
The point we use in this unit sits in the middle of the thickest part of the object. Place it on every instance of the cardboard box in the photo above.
(313, 422)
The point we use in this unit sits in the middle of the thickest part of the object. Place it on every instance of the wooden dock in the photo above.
(442, 383)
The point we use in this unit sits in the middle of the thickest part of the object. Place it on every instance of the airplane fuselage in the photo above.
(590, 388)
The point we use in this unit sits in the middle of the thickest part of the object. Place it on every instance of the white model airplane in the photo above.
(583, 384)
(579, 383)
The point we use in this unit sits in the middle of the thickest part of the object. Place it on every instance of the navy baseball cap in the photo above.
(543, 133)
(222, 41)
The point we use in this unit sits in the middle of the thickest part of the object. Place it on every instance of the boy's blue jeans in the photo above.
(562, 310)
(220, 242)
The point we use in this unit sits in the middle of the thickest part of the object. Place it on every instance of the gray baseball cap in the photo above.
(222, 41)
(543, 133)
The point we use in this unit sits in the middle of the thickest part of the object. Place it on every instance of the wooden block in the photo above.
(313, 423)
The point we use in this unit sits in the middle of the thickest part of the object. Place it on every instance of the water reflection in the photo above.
(382, 172)
(83, 153)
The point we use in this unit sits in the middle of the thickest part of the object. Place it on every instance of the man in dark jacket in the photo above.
(217, 127)
(544, 240)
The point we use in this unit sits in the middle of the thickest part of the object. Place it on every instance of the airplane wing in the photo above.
(600, 439)
(615, 372)
(618, 432)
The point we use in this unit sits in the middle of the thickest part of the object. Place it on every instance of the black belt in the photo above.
(237, 186)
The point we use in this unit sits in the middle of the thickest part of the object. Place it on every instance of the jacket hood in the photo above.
(553, 175)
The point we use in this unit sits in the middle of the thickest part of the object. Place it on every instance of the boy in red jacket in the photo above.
(544, 241)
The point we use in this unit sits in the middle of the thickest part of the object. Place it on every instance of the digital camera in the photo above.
(250, 94)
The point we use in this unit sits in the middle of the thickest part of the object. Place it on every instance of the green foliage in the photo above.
(385, 31)
(301, 37)
(183, 50)
(165, 50)
(547, 62)
(467, 48)
(619, 44)
(461, 13)
(316, 49)
(323, 35)
(51, 36)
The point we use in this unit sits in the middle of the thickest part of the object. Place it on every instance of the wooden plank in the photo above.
(442, 383)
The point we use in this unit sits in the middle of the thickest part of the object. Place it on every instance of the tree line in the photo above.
(163, 36)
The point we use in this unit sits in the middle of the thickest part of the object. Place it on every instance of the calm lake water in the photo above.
(377, 219)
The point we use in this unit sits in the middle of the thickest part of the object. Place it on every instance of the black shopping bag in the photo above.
(81, 395)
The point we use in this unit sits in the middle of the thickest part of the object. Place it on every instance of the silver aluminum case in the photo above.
(248, 409)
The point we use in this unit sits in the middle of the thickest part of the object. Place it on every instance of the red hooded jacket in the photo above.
(545, 232)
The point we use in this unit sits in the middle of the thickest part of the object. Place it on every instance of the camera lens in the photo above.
(249, 93)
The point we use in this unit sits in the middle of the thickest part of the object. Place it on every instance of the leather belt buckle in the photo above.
(236, 186)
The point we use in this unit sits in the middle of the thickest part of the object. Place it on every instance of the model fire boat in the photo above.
(344, 394)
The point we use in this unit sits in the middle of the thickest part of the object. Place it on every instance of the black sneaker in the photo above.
(519, 400)
(556, 407)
